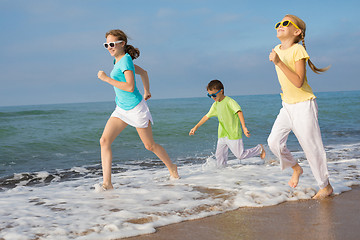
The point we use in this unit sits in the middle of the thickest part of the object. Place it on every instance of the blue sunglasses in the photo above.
(214, 94)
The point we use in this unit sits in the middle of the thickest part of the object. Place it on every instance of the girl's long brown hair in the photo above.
(301, 24)
(120, 35)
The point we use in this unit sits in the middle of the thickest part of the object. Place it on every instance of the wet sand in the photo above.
(337, 217)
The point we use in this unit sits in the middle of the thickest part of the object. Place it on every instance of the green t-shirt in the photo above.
(229, 122)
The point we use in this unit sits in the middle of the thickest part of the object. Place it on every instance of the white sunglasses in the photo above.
(111, 44)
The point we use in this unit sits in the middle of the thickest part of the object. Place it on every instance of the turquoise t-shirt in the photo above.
(125, 100)
(229, 122)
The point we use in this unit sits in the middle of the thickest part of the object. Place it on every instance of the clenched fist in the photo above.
(102, 75)
(274, 57)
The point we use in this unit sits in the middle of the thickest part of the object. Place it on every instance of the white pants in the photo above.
(302, 119)
(236, 147)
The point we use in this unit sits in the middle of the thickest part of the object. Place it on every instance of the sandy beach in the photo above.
(337, 217)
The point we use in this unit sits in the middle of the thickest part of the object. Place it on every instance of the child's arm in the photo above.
(201, 122)
(128, 86)
(297, 78)
(145, 80)
(242, 121)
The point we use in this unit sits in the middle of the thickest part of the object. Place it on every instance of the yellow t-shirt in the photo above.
(291, 94)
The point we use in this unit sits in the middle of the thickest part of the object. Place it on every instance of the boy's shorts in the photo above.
(137, 117)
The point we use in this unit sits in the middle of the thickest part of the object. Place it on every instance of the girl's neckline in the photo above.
(116, 61)
(280, 47)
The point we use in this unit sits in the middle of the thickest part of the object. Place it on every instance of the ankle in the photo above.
(107, 185)
(296, 167)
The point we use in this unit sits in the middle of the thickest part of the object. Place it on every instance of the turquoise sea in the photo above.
(48, 150)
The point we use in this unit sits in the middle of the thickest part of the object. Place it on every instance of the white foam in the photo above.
(145, 199)
(79, 169)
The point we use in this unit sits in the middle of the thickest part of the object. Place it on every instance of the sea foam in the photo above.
(144, 199)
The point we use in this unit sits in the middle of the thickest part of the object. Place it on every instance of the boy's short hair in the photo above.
(215, 84)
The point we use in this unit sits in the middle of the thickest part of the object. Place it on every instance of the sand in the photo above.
(337, 217)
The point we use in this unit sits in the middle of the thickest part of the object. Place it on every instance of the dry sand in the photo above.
(337, 217)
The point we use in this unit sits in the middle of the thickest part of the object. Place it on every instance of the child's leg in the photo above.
(307, 131)
(277, 143)
(221, 152)
(237, 148)
(113, 128)
(146, 137)
(278, 138)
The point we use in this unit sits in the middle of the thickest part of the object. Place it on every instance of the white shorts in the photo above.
(137, 117)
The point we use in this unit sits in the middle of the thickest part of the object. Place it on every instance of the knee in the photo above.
(150, 146)
(270, 141)
(277, 146)
(104, 142)
(273, 144)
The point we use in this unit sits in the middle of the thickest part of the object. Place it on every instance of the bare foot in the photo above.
(294, 180)
(323, 193)
(263, 153)
(173, 172)
(106, 187)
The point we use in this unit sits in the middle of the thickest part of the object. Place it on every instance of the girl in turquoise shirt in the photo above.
(131, 108)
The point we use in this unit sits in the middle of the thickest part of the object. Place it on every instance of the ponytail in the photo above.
(301, 24)
(311, 65)
(133, 52)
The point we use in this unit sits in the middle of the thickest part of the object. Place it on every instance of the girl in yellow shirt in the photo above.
(299, 112)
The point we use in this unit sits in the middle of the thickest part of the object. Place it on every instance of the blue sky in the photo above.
(51, 51)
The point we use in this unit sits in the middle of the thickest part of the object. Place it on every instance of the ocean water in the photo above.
(50, 172)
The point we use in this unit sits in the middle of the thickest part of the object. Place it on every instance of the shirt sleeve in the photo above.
(127, 64)
(300, 53)
(212, 112)
(234, 106)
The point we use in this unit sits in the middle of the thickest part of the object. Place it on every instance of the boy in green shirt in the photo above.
(230, 116)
